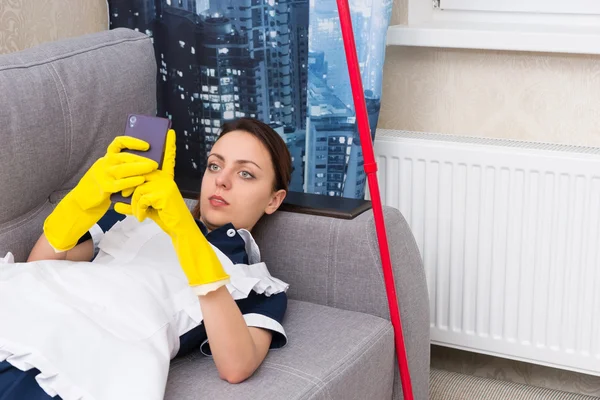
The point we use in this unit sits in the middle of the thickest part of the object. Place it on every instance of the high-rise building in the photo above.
(330, 133)
(209, 79)
(334, 155)
(178, 40)
(277, 32)
(231, 83)
(299, 57)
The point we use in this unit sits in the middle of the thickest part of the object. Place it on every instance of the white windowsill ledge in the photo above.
(497, 36)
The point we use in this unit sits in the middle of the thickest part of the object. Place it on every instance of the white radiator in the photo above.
(509, 233)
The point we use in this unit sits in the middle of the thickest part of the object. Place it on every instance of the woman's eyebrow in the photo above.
(247, 162)
(220, 157)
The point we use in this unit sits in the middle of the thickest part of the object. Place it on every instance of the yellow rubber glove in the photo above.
(159, 199)
(87, 202)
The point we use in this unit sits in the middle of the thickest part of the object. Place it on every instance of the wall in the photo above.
(514, 95)
(26, 23)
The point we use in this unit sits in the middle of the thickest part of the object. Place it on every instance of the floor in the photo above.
(513, 371)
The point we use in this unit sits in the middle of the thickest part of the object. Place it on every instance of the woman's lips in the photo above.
(217, 201)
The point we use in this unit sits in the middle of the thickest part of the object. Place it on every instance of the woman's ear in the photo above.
(276, 201)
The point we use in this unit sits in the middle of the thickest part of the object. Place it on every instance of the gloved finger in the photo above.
(139, 208)
(118, 185)
(130, 169)
(127, 142)
(127, 192)
(124, 158)
(170, 151)
(144, 204)
(123, 208)
(156, 175)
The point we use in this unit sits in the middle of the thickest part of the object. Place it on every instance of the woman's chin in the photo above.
(212, 222)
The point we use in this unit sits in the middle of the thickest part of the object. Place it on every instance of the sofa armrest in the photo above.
(63, 102)
(336, 262)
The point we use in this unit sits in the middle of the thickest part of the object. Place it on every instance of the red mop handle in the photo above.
(370, 169)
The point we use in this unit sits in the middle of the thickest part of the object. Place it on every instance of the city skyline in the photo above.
(280, 61)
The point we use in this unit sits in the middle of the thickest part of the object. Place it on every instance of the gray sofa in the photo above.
(61, 105)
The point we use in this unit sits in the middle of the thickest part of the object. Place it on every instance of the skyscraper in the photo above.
(266, 23)
(208, 79)
(277, 35)
(330, 133)
(299, 56)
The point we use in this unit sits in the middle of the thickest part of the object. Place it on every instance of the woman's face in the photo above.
(238, 183)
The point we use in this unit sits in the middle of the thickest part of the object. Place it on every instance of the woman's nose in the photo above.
(223, 180)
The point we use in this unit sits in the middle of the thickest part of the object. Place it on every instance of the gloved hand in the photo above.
(87, 202)
(159, 199)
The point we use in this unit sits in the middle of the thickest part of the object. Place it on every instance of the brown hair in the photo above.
(280, 155)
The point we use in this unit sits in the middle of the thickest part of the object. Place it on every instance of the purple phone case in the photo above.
(152, 130)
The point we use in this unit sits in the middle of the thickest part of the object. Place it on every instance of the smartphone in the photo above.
(152, 130)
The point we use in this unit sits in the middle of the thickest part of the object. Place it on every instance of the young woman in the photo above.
(247, 176)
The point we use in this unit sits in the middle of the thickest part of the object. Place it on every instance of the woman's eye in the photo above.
(246, 175)
(213, 167)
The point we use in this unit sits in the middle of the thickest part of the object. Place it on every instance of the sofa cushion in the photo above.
(331, 354)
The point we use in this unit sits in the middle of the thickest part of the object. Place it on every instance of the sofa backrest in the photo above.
(61, 105)
(336, 262)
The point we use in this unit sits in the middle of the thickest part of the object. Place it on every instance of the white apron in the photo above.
(106, 330)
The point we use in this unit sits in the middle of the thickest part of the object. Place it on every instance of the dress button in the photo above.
(231, 232)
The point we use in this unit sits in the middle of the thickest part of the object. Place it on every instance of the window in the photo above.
(558, 26)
